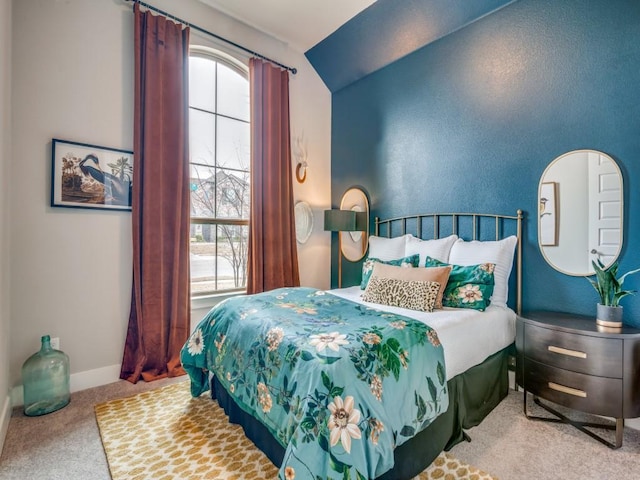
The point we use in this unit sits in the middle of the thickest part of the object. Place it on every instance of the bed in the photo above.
(330, 385)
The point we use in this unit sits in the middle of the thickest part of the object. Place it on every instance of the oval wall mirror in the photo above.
(354, 244)
(304, 221)
(580, 210)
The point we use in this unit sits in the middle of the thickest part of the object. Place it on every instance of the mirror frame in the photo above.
(553, 189)
(353, 245)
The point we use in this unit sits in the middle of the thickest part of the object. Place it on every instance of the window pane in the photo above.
(233, 93)
(233, 194)
(202, 83)
(203, 260)
(218, 257)
(203, 191)
(202, 142)
(233, 144)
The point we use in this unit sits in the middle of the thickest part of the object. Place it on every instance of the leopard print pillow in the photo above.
(412, 294)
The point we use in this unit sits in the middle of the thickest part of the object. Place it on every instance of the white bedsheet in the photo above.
(468, 336)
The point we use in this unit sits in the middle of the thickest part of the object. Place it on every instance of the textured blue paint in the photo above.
(469, 123)
(387, 31)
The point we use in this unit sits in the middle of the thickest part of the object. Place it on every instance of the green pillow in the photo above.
(367, 266)
(468, 286)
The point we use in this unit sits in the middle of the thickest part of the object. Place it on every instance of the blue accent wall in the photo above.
(470, 121)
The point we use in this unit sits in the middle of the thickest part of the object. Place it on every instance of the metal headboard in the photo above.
(434, 221)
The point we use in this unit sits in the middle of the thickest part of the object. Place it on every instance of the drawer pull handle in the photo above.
(564, 351)
(571, 391)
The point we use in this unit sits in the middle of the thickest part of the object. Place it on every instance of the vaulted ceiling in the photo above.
(346, 40)
(300, 23)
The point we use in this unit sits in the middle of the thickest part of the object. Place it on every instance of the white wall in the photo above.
(5, 152)
(73, 79)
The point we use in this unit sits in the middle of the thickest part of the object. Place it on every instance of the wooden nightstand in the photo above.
(565, 359)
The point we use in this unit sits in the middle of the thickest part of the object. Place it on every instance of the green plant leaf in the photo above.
(607, 285)
(394, 365)
(621, 281)
(326, 381)
(440, 372)
(621, 294)
(407, 431)
(394, 344)
(422, 407)
(432, 389)
(336, 392)
(327, 360)
(323, 442)
(336, 465)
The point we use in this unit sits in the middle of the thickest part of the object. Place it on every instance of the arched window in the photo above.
(219, 144)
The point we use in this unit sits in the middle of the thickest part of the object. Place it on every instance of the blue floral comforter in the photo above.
(338, 384)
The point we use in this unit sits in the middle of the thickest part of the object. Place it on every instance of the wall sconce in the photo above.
(301, 172)
(348, 221)
(300, 154)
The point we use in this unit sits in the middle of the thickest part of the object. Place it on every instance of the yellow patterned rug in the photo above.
(165, 434)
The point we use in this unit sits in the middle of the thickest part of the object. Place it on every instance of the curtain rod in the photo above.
(206, 32)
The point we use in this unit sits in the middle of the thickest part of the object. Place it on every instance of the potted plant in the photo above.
(609, 287)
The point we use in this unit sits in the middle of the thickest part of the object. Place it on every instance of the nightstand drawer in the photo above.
(587, 393)
(578, 353)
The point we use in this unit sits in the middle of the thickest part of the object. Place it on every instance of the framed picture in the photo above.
(90, 176)
(548, 214)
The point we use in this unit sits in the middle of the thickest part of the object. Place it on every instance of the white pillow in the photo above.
(387, 249)
(499, 252)
(438, 248)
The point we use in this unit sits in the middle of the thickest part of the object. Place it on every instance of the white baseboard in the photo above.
(632, 423)
(5, 413)
(78, 381)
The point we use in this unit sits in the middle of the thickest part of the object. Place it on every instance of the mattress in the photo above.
(468, 336)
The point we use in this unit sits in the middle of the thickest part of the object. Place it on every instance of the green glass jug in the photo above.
(45, 378)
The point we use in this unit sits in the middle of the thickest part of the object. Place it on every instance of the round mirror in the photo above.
(580, 199)
(304, 221)
(354, 244)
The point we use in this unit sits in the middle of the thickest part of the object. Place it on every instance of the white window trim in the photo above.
(210, 301)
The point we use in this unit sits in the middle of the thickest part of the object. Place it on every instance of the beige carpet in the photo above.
(190, 438)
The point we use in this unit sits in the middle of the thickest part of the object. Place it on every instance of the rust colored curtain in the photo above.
(159, 321)
(273, 255)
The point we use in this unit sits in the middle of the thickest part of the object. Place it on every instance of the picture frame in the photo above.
(548, 214)
(90, 176)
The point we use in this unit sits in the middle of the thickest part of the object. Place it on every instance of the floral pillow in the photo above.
(468, 286)
(367, 266)
(412, 294)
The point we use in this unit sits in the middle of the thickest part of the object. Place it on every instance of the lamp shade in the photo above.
(339, 220)
(361, 221)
